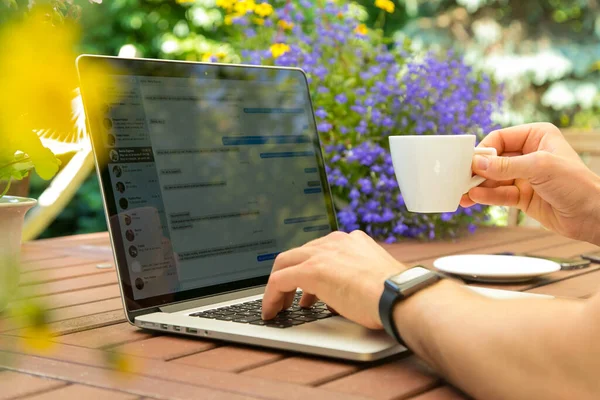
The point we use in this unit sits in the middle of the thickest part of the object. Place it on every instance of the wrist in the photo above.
(416, 316)
(593, 234)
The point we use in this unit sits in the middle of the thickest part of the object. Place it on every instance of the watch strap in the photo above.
(393, 294)
(388, 300)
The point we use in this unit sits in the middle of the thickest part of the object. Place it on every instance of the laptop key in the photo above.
(225, 318)
(258, 322)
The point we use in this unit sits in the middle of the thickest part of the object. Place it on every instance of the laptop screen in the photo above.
(208, 172)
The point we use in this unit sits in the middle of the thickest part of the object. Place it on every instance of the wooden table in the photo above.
(88, 321)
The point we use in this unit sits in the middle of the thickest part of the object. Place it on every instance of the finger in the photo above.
(307, 300)
(284, 282)
(511, 139)
(466, 201)
(332, 309)
(493, 184)
(529, 166)
(289, 259)
(288, 300)
(500, 196)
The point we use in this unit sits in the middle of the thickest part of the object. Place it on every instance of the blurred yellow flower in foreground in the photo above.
(121, 363)
(387, 5)
(279, 49)
(37, 79)
(37, 335)
(361, 29)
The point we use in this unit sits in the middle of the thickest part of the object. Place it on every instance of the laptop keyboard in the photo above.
(250, 313)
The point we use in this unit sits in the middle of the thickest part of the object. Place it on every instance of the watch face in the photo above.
(409, 275)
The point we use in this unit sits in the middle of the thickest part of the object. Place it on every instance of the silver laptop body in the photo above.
(207, 172)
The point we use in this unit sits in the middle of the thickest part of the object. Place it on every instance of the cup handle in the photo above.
(478, 180)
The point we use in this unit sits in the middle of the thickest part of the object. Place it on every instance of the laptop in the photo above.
(207, 173)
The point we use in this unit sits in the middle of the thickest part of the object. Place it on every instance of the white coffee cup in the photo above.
(434, 171)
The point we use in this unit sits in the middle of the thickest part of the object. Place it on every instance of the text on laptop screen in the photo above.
(211, 177)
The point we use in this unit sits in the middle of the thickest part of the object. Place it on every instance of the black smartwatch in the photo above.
(399, 287)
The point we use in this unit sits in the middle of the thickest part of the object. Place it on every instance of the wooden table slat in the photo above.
(57, 263)
(82, 392)
(580, 286)
(165, 347)
(303, 370)
(231, 358)
(77, 297)
(15, 384)
(69, 285)
(64, 314)
(106, 336)
(395, 380)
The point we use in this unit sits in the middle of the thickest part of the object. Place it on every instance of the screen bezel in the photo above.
(88, 67)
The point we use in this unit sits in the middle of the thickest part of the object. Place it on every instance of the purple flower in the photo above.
(341, 98)
(324, 127)
(320, 113)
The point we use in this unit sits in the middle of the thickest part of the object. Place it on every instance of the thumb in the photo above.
(528, 166)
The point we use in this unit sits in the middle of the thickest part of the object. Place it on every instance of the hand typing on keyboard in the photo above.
(344, 270)
(250, 313)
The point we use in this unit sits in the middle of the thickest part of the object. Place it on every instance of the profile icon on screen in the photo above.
(139, 283)
(108, 124)
(111, 140)
(114, 156)
(130, 235)
(117, 171)
(120, 187)
(127, 219)
(123, 203)
(133, 251)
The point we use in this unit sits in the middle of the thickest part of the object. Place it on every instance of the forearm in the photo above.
(502, 349)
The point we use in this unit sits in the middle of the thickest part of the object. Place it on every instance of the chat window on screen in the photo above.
(212, 178)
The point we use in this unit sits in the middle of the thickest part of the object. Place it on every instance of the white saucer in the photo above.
(495, 268)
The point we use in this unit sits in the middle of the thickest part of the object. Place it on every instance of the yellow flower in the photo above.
(37, 87)
(386, 5)
(123, 365)
(186, 1)
(221, 55)
(226, 4)
(37, 80)
(361, 29)
(228, 20)
(285, 25)
(279, 49)
(243, 7)
(258, 21)
(37, 334)
(38, 339)
(206, 57)
(264, 9)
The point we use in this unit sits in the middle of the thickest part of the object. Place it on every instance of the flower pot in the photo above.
(12, 213)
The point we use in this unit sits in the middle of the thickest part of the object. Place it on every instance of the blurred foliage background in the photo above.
(546, 52)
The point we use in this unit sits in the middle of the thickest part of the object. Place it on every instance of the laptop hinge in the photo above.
(238, 294)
